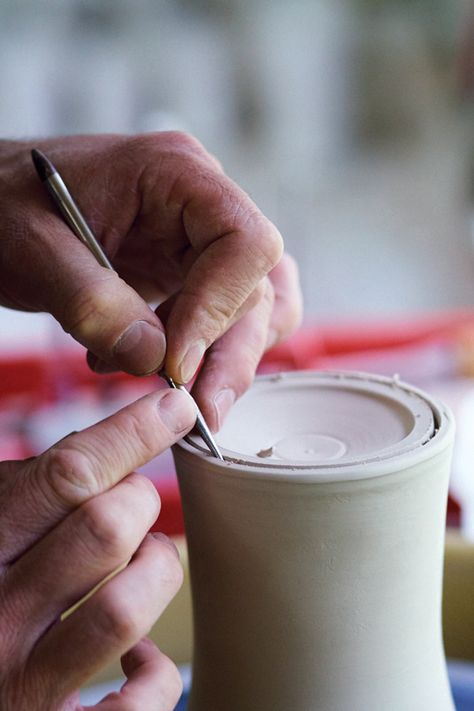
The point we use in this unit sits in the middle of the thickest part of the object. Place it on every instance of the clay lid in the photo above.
(307, 420)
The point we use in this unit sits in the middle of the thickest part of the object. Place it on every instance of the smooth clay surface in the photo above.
(344, 419)
(316, 567)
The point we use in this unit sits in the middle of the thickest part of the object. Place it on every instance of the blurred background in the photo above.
(347, 121)
(350, 122)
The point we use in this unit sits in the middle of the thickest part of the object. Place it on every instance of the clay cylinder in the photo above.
(316, 548)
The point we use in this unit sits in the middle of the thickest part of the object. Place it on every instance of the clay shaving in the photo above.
(264, 453)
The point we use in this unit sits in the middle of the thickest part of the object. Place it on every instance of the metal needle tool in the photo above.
(74, 218)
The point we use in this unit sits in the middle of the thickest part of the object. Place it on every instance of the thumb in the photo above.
(97, 307)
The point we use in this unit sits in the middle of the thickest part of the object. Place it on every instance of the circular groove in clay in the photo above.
(324, 420)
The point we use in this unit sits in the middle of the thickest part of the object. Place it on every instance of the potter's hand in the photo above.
(177, 230)
(67, 519)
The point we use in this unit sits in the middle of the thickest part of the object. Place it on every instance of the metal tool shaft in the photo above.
(76, 221)
(201, 424)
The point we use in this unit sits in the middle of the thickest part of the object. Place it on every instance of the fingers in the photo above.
(217, 285)
(236, 246)
(91, 303)
(288, 304)
(88, 463)
(85, 547)
(231, 362)
(153, 682)
(110, 623)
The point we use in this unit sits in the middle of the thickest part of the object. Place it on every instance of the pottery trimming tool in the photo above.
(74, 218)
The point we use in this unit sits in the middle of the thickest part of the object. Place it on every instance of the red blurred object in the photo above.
(31, 381)
(453, 514)
(170, 520)
(24, 376)
(318, 341)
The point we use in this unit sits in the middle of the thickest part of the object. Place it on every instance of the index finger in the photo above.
(88, 463)
(237, 246)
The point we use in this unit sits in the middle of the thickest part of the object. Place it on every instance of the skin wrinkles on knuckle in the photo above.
(67, 475)
(176, 142)
(221, 198)
(121, 618)
(213, 190)
(213, 316)
(119, 621)
(177, 155)
(106, 529)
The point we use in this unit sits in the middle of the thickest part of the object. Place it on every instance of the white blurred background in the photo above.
(344, 119)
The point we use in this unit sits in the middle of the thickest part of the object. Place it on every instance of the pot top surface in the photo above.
(325, 420)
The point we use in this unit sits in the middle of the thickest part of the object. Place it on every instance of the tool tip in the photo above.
(43, 165)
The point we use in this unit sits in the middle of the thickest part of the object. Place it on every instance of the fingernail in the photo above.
(140, 349)
(223, 401)
(177, 410)
(167, 541)
(191, 361)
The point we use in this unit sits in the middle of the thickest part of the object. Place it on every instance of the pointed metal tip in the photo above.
(201, 424)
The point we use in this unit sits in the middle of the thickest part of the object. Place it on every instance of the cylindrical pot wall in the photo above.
(316, 549)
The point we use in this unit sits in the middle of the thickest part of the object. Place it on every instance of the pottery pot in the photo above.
(316, 548)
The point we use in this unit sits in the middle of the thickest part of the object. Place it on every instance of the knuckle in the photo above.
(150, 492)
(68, 474)
(215, 316)
(181, 141)
(168, 141)
(119, 620)
(220, 311)
(104, 529)
(148, 497)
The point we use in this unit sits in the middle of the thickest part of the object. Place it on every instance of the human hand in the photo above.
(69, 518)
(178, 231)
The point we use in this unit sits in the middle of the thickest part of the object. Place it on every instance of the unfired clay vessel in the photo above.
(316, 550)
